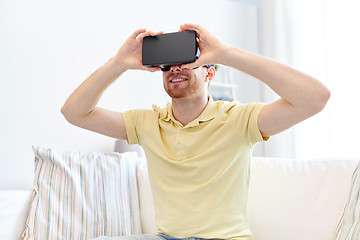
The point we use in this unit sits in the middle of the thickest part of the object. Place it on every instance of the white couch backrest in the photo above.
(298, 200)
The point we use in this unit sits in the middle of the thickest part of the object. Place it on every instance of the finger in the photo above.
(145, 34)
(137, 32)
(158, 33)
(191, 26)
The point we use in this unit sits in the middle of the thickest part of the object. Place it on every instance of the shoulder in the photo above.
(144, 112)
(140, 115)
(235, 107)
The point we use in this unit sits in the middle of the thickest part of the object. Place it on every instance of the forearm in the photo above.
(84, 99)
(295, 87)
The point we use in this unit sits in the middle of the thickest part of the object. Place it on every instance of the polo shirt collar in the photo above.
(208, 114)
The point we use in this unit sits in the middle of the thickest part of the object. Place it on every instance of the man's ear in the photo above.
(210, 75)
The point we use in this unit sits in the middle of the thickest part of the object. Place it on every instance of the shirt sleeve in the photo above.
(254, 110)
(140, 123)
(245, 118)
(130, 119)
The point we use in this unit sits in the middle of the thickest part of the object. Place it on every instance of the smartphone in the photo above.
(170, 49)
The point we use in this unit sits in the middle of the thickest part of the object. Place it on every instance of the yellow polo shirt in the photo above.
(199, 173)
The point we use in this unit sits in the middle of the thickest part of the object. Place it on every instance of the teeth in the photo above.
(178, 80)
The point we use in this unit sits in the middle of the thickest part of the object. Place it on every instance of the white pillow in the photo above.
(81, 195)
(349, 223)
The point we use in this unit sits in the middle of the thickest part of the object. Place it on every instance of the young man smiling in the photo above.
(198, 150)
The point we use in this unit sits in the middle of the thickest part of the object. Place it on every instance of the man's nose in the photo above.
(176, 68)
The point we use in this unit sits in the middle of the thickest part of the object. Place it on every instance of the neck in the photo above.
(185, 110)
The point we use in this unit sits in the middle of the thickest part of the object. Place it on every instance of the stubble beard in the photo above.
(191, 89)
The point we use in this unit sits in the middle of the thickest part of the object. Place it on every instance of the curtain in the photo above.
(320, 38)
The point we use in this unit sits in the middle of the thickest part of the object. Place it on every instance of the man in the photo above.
(198, 150)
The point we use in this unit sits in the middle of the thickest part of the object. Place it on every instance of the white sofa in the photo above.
(288, 199)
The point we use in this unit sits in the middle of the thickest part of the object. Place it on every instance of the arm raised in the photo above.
(80, 108)
(301, 95)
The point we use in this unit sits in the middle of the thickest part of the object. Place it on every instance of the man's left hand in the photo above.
(211, 49)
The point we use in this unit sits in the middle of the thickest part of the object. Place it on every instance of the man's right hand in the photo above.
(130, 53)
(80, 108)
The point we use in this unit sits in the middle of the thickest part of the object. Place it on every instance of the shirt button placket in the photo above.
(180, 142)
(177, 144)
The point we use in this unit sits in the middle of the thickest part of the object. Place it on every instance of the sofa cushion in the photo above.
(80, 195)
(14, 207)
(297, 200)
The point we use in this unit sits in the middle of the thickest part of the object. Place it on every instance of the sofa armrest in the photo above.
(14, 207)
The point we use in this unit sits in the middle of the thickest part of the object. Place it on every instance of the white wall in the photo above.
(274, 43)
(48, 48)
(320, 39)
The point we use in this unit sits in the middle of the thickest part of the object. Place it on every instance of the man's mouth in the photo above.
(178, 80)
